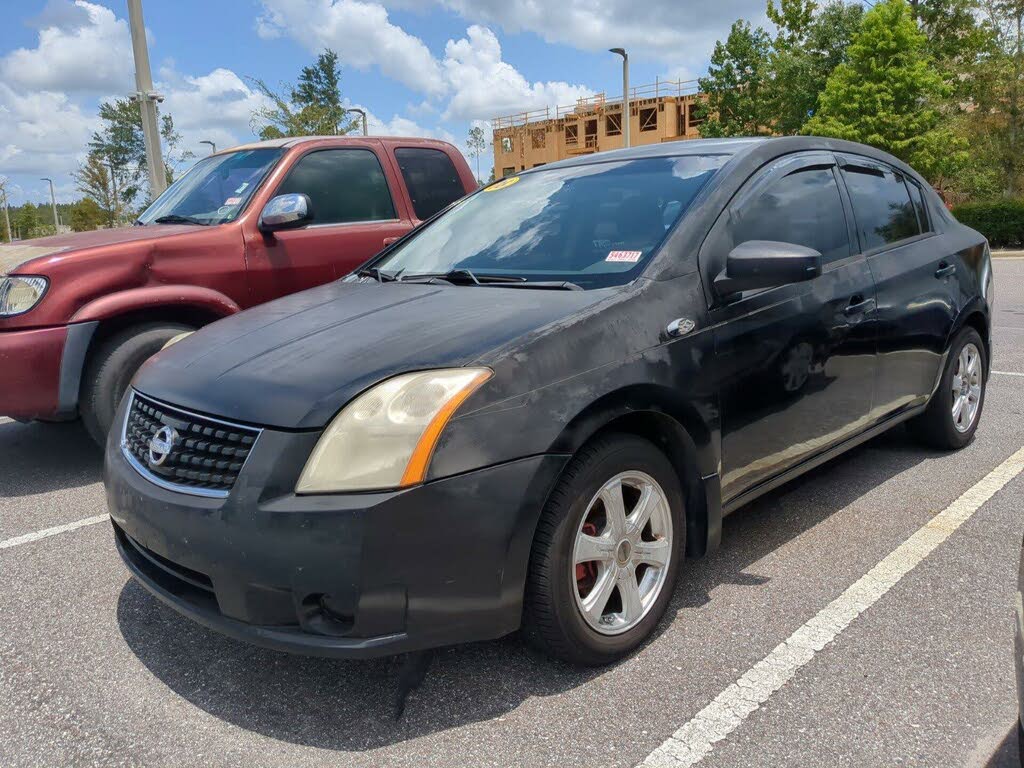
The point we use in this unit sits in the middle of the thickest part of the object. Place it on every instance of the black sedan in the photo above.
(530, 410)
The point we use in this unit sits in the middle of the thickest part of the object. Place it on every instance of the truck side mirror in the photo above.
(286, 212)
(766, 264)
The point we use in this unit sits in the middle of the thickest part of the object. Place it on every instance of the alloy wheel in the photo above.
(621, 554)
(966, 385)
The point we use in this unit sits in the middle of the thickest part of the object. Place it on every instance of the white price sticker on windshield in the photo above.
(631, 256)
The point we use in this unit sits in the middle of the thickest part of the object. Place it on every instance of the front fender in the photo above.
(137, 299)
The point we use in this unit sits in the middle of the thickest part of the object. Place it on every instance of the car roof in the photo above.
(756, 149)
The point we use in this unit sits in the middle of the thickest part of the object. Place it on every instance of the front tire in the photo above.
(606, 553)
(110, 371)
(954, 412)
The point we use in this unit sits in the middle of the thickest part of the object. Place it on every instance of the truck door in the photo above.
(355, 213)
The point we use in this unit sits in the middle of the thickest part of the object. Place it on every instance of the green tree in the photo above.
(738, 84)
(887, 94)
(312, 107)
(476, 143)
(25, 221)
(120, 143)
(86, 215)
(810, 44)
(996, 124)
(97, 184)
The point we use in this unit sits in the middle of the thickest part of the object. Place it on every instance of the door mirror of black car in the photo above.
(286, 212)
(759, 264)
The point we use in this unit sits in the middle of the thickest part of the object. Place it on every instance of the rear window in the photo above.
(431, 179)
(881, 204)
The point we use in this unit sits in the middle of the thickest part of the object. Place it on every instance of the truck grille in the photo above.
(183, 451)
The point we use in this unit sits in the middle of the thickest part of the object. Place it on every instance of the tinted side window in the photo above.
(881, 205)
(803, 208)
(344, 185)
(922, 211)
(431, 178)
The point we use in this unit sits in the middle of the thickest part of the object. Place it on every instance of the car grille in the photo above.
(193, 454)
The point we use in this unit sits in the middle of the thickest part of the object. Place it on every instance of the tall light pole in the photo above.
(7, 214)
(53, 204)
(625, 93)
(213, 146)
(147, 98)
(363, 113)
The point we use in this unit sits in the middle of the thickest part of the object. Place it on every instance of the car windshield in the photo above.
(215, 190)
(592, 225)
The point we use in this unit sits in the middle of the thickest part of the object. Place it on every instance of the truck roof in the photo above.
(292, 141)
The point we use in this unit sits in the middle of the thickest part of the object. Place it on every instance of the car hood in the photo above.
(294, 362)
(16, 257)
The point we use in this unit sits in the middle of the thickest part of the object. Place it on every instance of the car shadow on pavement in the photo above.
(40, 458)
(1007, 754)
(347, 705)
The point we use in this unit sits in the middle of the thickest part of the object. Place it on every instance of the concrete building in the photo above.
(662, 111)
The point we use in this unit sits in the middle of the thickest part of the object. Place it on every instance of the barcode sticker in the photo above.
(632, 256)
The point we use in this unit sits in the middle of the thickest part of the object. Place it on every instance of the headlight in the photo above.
(20, 294)
(385, 437)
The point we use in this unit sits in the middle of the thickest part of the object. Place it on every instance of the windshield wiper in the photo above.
(380, 277)
(546, 285)
(465, 277)
(174, 218)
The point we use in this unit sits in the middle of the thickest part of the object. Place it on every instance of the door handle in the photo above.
(858, 304)
(945, 270)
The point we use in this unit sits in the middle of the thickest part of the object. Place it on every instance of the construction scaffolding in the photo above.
(665, 110)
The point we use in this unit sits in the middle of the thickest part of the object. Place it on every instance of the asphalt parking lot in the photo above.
(93, 671)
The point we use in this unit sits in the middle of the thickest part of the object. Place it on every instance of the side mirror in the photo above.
(766, 264)
(286, 212)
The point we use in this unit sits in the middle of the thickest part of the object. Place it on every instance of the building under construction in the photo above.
(663, 111)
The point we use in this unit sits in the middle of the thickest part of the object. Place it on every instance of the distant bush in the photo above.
(1001, 221)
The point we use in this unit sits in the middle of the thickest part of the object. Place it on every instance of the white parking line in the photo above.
(695, 740)
(37, 535)
(1008, 373)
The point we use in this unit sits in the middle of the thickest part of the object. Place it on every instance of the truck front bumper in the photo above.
(41, 370)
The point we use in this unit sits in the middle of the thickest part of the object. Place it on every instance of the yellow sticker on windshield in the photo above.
(502, 184)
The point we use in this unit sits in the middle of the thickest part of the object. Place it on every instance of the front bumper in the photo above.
(345, 575)
(30, 372)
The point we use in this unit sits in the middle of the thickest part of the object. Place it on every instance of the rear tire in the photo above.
(559, 585)
(110, 370)
(940, 426)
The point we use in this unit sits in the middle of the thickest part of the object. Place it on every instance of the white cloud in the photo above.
(360, 33)
(81, 47)
(216, 106)
(483, 85)
(42, 133)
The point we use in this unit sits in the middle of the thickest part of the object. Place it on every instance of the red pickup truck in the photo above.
(80, 313)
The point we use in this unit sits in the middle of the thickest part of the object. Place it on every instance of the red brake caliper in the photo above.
(586, 573)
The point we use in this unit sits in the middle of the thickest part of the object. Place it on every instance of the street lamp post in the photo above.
(147, 98)
(625, 93)
(53, 204)
(363, 113)
(7, 214)
(213, 146)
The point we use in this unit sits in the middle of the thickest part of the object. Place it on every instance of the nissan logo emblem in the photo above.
(161, 445)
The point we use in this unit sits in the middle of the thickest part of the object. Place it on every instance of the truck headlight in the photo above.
(20, 294)
(386, 436)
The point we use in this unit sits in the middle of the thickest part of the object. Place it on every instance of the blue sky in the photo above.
(420, 67)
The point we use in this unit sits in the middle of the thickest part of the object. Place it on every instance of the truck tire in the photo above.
(110, 369)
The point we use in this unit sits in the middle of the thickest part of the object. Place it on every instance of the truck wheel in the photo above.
(111, 368)
(606, 552)
(955, 409)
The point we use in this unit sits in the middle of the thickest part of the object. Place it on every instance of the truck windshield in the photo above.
(591, 225)
(215, 190)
